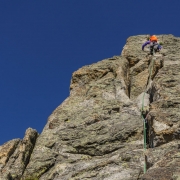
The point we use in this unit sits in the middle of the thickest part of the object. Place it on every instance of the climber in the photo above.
(153, 44)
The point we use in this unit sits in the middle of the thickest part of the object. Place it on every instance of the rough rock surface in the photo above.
(15, 155)
(97, 132)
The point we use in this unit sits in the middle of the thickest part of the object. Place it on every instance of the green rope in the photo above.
(144, 123)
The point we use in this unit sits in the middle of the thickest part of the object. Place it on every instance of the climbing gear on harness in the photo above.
(153, 46)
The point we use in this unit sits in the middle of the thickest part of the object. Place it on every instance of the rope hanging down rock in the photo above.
(144, 121)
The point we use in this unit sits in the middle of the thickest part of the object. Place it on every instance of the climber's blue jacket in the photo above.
(148, 42)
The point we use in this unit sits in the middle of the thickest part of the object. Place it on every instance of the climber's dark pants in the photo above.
(154, 46)
(155, 50)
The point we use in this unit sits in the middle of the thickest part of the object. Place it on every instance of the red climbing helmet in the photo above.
(153, 38)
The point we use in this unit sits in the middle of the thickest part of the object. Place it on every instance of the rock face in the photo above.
(15, 155)
(97, 132)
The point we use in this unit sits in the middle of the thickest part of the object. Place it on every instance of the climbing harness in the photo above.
(144, 120)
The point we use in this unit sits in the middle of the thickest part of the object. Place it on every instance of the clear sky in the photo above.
(43, 42)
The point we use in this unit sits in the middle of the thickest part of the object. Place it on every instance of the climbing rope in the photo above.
(144, 122)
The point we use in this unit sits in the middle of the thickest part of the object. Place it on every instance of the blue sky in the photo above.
(43, 42)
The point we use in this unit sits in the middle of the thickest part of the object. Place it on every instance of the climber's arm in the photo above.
(147, 42)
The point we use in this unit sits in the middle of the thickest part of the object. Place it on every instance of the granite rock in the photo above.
(97, 132)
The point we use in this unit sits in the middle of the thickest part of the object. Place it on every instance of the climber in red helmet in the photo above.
(153, 44)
